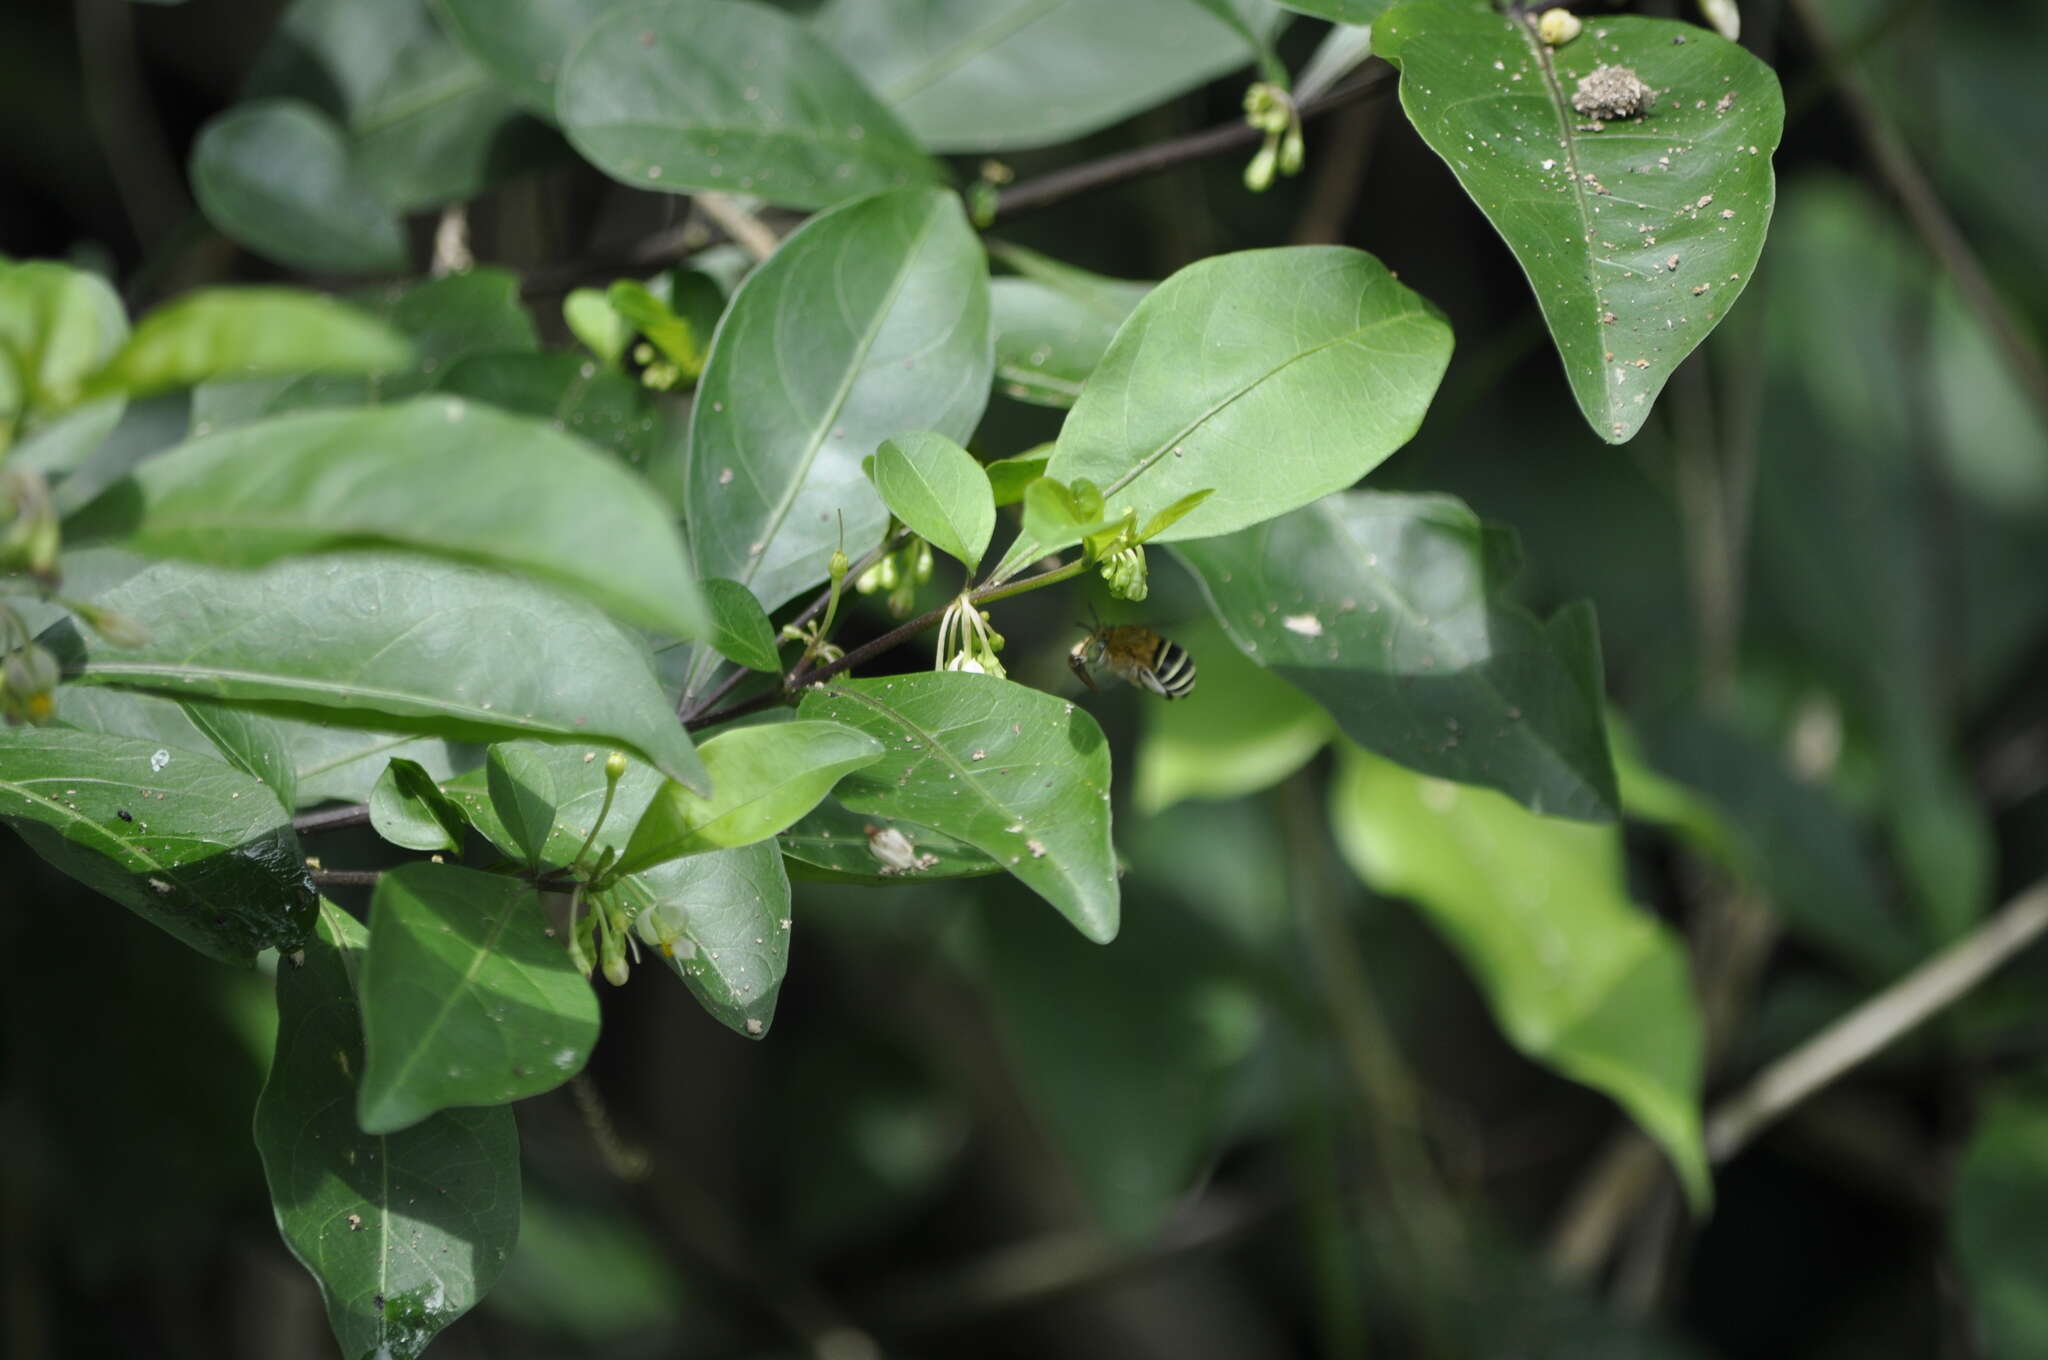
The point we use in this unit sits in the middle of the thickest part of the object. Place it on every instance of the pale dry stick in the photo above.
(452, 254)
(747, 231)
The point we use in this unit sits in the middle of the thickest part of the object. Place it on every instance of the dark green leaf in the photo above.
(762, 779)
(1241, 360)
(1240, 731)
(408, 809)
(1053, 325)
(870, 320)
(722, 921)
(403, 1232)
(524, 45)
(1020, 775)
(2001, 1203)
(939, 492)
(730, 96)
(1637, 233)
(967, 75)
(522, 795)
(467, 996)
(251, 742)
(1340, 11)
(835, 845)
(394, 643)
(600, 406)
(225, 333)
(1383, 608)
(276, 176)
(405, 476)
(205, 851)
(345, 763)
(739, 626)
(1579, 978)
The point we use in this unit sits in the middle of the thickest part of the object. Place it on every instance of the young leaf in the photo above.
(1382, 608)
(1309, 362)
(204, 851)
(402, 476)
(225, 333)
(740, 629)
(467, 997)
(1637, 232)
(399, 643)
(592, 319)
(870, 320)
(1057, 513)
(678, 341)
(57, 325)
(939, 492)
(729, 97)
(403, 1232)
(522, 795)
(1053, 325)
(721, 920)
(970, 76)
(1010, 477)
(762, 779)
(408, 809)
(1241, 731)
(1019, 774)
(1579, 978)
(276, 175)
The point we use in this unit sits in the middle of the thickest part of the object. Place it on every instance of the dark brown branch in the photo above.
(345, 878)
(1061, 185)
(332, 819)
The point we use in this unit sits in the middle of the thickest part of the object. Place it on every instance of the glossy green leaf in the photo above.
(57, 325)
(204, 851)
(870, 320)
(1340, 11)
(1241, 731)
(405, 476)
(344, 763)
(1388, 610)
(600, 406)
(2001, 1202)
(276, 175)
(833, 844)
(1053, 325)
(1579, 978)
(468, 997)
(408, 809)
(739, 626)
(990, 75)
(1019, 774)
(731, 96)
(251, 742)
(762, 779)
(392, 642)
(1637, 233)
(1310, 363)
(1008, 477)
(523, 45)
(939, 492)
(225, 333)
(404, 1232)
(523, 795)
(725, 913)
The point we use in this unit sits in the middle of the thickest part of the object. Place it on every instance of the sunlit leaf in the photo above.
(939, 492)
(225, 333)
(740, 629)
(57, 325)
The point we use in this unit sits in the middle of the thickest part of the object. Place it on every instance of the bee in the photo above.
(1137, 656)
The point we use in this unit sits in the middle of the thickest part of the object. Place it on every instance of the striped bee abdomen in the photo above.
(1172, 670)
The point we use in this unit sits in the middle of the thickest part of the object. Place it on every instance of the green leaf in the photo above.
(408, 809)
(1383, 609)
(762, 779)
(739, 626)
(679, 342)
(1340, 11)
(599, 406)
(467, 997)
(1239, 361)
(1579, 978)
(1053, 325)
(725, 916)
(344, 763)
(523, 45)
(969, 75)
(276, 176)
(729, 97)
(57, 325)
(1057, 513)
(523, 795)
(221, 333)
(592, 319)
(404, 1232)
(939, 492)
(396, 643)
(1020, 775)
(406, 476)
(250, 742)
(1241, 731)
(206, 852)
(2001, 1202)
(1010, 477)
(1638, 237)
(870, 320)
(832, 844)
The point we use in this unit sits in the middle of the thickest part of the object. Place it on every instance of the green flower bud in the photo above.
(982, 198)
(1558, 27)
(615, 766)
(839, 566)
(1124, 571)
(867, 583)
(616, 970)
(1258, 176)
(921, 562)
(1291, 150)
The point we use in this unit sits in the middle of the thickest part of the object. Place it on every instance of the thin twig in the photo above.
(332, 819)
(1894, 160)
(345, 878)
(1047, 190)
(1871, 1027)
(747, 231)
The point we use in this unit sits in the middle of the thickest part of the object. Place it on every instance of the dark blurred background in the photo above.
(963, 1107)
